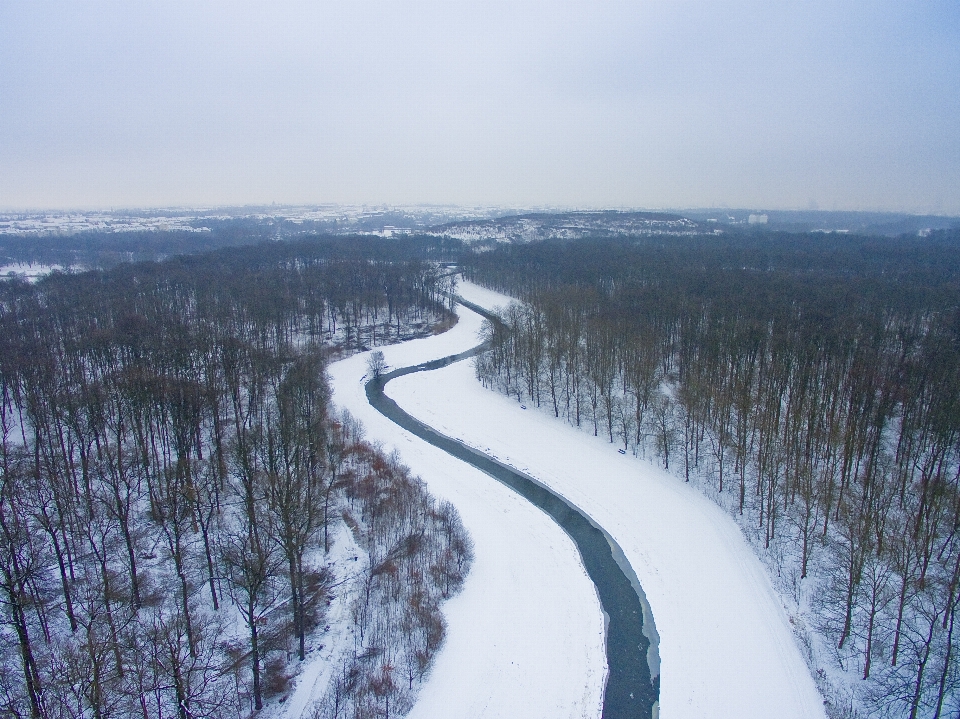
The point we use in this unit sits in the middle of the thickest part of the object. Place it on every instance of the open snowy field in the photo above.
(29, 271)
(726, 646)
(526, 635)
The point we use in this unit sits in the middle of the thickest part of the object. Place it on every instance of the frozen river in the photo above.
(526, 635)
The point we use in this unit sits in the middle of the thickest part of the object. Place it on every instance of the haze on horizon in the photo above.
(644, 104)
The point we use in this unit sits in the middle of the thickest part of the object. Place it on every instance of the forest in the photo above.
(99, 249)
(181, 505)
(810, 384)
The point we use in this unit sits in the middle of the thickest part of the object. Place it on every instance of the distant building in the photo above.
(390, 231)
(757, 219)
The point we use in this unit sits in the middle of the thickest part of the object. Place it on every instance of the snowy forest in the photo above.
(810, 384)
(180, 503)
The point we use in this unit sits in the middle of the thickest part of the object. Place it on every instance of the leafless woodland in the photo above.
(173, 476)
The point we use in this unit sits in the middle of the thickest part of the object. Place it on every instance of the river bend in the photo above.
(629, 690)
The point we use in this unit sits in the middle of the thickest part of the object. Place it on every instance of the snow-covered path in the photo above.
(726, 647)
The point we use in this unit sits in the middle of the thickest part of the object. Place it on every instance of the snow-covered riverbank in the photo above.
(525, 636)
(726, 646)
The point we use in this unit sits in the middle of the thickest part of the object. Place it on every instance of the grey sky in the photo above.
(747, 103)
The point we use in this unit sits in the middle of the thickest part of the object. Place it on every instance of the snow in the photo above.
(525, 637)
(326, 650)
(726, 646)
(349, 218)
(30, 271)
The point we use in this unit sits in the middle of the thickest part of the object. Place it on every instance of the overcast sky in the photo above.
(646, 104)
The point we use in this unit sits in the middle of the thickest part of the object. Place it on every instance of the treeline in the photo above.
(103, 250)
(810, 383)
(175, 482)
(100, 249)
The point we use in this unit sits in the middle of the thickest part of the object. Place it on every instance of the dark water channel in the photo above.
(629, 691)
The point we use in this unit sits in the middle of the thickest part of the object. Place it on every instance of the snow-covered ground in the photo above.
(726, 645)
(29, 271)
(345, 217)
(327, 648)
(526, 635)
